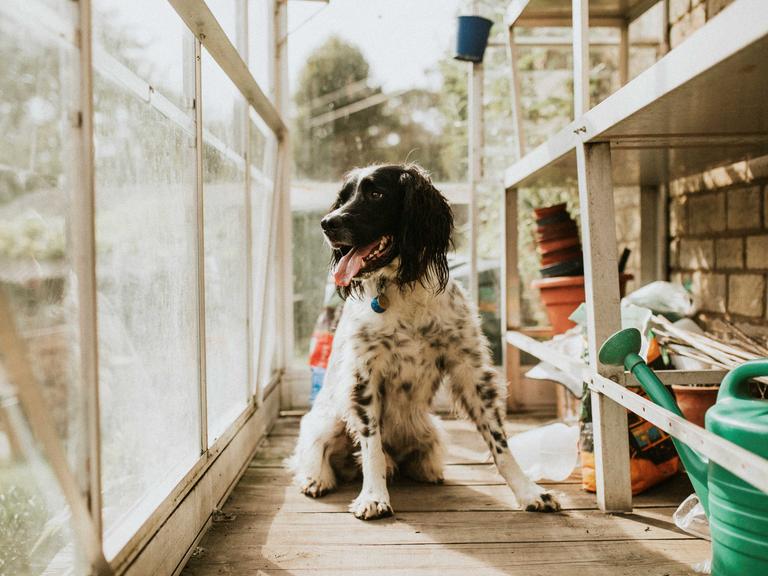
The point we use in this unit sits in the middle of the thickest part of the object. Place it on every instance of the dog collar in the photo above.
(380, 303)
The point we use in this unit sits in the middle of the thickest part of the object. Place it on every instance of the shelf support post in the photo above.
(580, 57)
(653, 234)
(601, 279)
(511, 294)
(516, 94)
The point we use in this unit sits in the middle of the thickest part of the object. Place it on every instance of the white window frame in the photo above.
(163, 541)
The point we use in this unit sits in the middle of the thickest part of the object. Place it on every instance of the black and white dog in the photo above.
(405, 328)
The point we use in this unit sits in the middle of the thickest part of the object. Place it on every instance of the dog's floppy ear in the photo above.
(425, 235)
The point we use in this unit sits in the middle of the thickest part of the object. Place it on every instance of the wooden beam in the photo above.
(580, 57)
(744, 464)
(201, 21)
(169, 536)
(16, 363)
(515, 92)
(601, 280)
(649, 234)
(199, 204)
(83, 226)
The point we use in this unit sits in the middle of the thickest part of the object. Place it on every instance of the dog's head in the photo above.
(389, 214)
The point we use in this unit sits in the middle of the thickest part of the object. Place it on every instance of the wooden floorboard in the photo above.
(468, 525)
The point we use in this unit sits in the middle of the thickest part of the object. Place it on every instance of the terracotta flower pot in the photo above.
(561, 244)
(561, 256)
(694, 401)
(573, 267)
(554, 231)
(562, 295)
(548, 211)
(555, 218)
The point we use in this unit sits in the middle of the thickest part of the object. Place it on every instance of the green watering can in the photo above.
(737, 512)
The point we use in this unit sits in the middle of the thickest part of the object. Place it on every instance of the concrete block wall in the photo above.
(685, 16)
(719, 239)
(718, 221)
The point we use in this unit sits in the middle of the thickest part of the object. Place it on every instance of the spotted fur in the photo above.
(383, 375)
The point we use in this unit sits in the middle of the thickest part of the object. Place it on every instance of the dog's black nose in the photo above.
(331, 222)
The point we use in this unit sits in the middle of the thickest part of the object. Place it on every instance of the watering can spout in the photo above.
(623, 349)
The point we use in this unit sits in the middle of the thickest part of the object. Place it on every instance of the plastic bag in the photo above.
(664, 298)
(690, 517)
(550, 452)
(570, 343)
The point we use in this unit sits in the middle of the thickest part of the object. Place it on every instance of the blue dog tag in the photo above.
(379, 304)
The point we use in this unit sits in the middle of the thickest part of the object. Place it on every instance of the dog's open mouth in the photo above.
(360, 259)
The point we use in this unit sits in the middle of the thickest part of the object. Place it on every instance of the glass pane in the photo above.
(147, 296)
(263, 145)
(141, 38)
(226, 264)
(37, 162)
(36, 535)
(260, 22)
(226, 12)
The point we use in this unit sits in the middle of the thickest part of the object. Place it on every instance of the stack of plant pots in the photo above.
(557, 237)
(562, 265)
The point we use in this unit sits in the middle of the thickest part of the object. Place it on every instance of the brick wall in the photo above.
(685, 16)
(719, 238)
(719, 220)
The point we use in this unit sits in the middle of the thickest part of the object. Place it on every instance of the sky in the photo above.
(401, 39)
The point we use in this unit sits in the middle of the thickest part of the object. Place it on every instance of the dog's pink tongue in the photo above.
(350, 264)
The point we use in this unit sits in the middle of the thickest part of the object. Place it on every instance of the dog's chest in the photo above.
(408, 358)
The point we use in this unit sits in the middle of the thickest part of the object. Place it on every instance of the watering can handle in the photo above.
(735, 383)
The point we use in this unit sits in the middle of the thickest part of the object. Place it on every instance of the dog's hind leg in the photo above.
(476, 391)
(424, 463)
(311, 460)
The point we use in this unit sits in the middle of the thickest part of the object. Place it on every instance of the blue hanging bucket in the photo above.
(472, 38)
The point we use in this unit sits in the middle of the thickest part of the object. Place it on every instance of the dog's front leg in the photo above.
(476, 389)
(365, 422)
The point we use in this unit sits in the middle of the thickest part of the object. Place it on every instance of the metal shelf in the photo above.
(703, 105)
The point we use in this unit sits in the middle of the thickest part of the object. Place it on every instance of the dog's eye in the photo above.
(375, 194)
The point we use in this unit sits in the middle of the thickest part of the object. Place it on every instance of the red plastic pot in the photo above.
(563, 294)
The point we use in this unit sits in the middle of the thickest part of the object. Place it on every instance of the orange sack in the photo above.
(652, 456)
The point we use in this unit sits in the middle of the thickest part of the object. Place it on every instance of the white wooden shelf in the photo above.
(542, 12)
(580, 369)
(741, 462)
(703, 105)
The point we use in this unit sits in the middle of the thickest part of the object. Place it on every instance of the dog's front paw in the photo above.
(539, 502)
(315, 488)
(369, 508)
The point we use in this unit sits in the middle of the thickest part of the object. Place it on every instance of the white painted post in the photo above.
(516, 94)
(200, 247)
(475, 167)
(242, 47)
(609, 420)
(510, 300)
(284, 238)
(652, 234)
(580, 57)
(624, 54)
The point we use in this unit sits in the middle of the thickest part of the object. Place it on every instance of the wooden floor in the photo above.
(468, 526)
